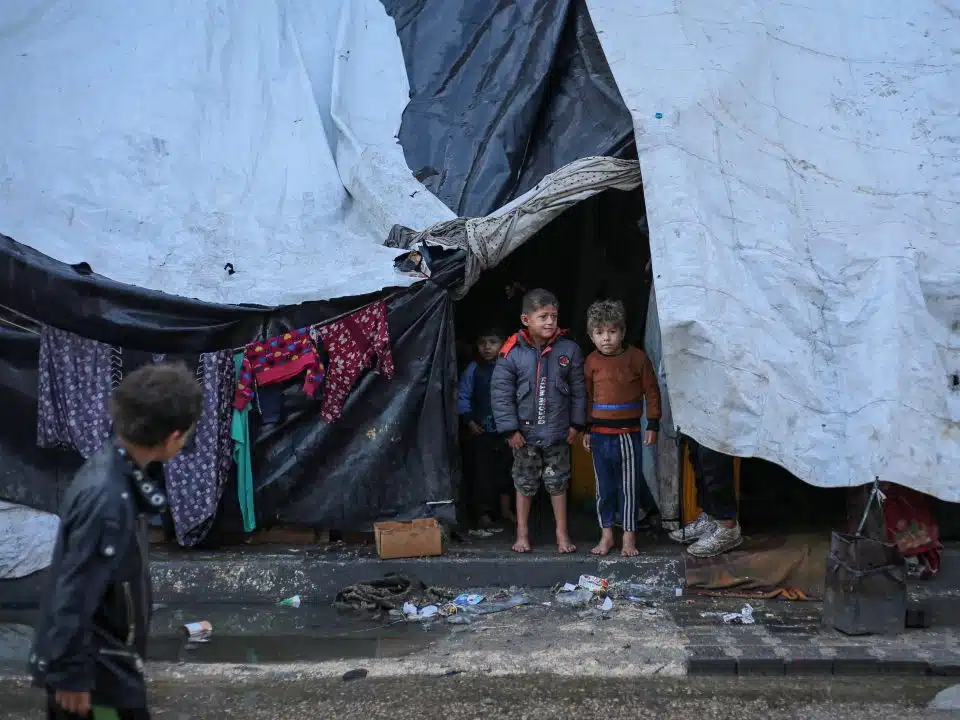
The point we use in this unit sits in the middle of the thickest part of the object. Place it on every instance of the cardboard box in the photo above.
(417, 538)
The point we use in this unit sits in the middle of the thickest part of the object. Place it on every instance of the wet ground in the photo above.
(290, 697)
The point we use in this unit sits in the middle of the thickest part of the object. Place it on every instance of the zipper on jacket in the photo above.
(131, 615)
(126, 654)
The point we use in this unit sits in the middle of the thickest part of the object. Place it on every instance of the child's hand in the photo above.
(474, 428)
(586, 442)
(650, 437)
(571, 436)
(516, 440)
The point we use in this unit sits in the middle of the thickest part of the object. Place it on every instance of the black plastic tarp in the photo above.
(503, 93)
(392, 451)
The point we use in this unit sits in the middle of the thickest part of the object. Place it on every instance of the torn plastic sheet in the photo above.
(27, 538)
(803, 197)
(261, 139)
(490, 239)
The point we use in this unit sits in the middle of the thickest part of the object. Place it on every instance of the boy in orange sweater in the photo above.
(619, 379)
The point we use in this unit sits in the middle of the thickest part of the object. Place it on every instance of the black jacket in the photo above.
(94, 619)
(539, 392)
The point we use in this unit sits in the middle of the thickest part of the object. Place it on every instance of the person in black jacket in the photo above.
(91, 638)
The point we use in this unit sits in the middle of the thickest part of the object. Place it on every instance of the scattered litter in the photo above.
(641, 589)
(495, 529)
(293, 602)
(452, 673)
(459, 619)
(574, 598)
(568, 587)
(358, 674)
(548, 604)
(593, 584)
(498, 606)
(199, 631)
(467, 599)
(410, 610)
(480, 533)
(678, 592)
(428, 611)
(744, 617)
(658, 116)
(607, 605)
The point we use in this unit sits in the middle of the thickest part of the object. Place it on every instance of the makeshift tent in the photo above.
(222, 171)
(175, 185)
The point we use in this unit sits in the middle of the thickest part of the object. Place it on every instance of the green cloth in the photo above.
(240, 431)
(102, 713)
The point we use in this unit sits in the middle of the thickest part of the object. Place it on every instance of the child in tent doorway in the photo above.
(619, 380)
(539, 406)
(490, 454)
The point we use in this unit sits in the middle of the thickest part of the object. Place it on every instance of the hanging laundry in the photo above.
(73, 388)
(351, 345)
(240, 432)
(195, 480)
(277, 359)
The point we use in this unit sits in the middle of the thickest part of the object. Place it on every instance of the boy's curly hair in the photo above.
(606, 312)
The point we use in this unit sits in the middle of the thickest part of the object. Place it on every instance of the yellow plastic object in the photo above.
(689, 484)
(583, 483)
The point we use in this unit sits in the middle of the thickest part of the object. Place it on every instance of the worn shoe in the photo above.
(721, 540)
(700, 527)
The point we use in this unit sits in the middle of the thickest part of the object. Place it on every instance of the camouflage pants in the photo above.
(533, 463)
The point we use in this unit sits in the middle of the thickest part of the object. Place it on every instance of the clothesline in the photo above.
(341, 316)
(234, 350)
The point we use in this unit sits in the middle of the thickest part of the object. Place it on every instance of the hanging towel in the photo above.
(351, 345)
(240, 431)
(195, 480)
(277, 359)
(73, 388)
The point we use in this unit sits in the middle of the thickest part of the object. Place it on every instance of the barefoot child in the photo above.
(539, 406)
(618, 379)
(490, 455)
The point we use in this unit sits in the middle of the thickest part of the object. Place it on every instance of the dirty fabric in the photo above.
(352, 344)
(790, 567)
(195, 480)
(73, 387)
(277, 359)
(390, 593)
(240, 433)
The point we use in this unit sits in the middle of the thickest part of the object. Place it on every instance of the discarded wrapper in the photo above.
(468, 599)
(293, 602)
(607, 605)
(199, 631)
(593, 584)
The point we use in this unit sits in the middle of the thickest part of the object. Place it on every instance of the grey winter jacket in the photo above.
(540, 393)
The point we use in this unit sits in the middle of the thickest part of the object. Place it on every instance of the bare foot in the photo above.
(565, 545)
(603, 547)
(629, 550)
(522, 545)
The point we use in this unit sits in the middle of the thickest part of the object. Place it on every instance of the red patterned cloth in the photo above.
(351, 344)
(911, 525)
(277, 359)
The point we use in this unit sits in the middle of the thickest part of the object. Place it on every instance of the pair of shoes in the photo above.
(692, 532)
(721, 540)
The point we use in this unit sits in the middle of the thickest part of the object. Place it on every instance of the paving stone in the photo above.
(760, 666)
(808, 666)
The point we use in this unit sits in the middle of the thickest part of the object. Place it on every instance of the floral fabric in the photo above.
(73, 388)
(196, 477)
(351, 344)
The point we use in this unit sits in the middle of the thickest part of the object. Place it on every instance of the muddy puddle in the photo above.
(250, 635)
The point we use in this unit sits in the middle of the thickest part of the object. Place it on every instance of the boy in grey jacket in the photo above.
(539, 406)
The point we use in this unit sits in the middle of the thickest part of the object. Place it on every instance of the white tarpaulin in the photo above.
(27, 537)
(803, 194)
(160, 141)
